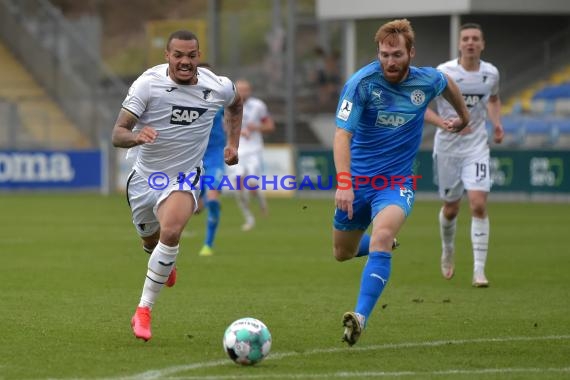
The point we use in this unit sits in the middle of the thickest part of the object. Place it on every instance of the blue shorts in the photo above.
(368, 202)
(212, 179)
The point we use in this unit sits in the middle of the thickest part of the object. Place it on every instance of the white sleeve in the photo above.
(495, 89)
(263, 111)
(228, 90)
(138, 96)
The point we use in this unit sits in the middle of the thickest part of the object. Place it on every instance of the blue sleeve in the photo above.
(349, 107)
(440, 82)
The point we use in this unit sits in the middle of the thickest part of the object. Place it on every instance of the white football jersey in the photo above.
(181, 114)
(254, 111)
(476, 88)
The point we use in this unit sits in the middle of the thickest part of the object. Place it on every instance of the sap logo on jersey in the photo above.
(471, 100)
(392, 119)
(185, 115)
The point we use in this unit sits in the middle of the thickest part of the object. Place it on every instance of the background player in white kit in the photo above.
(256, 122)
(461, 160)
(167, 115)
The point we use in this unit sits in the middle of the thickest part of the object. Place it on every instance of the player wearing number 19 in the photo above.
(462, 160)
(379, 129)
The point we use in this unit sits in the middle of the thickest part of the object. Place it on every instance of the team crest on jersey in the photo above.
(185, 115)
(418, 97)
(344, 111)
(206, 93)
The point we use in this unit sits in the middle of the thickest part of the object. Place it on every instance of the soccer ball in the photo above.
(247, 341)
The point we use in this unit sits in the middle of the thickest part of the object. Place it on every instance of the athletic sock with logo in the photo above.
(375, 276)
(364, 247)
(447, 232)
(212, 222)
(480, 241)
(160, 264)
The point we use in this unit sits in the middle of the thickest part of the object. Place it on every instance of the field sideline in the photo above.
(73, 270)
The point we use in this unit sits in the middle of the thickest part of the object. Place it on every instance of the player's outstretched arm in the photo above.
(232, 120)
(123, 137)
(341, 151)
(433, 118)
(453, 95)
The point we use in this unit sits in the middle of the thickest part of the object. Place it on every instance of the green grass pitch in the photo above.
(72, 271)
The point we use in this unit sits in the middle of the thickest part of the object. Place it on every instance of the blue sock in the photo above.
(375, 276)
(364, 246)
(213, 220)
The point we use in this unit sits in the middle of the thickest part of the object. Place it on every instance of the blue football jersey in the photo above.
(385, 119)
(214, 155)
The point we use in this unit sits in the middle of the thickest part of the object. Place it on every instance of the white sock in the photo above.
(262, 200)
(447, 232)
(160, 265)
(480, 241)
(243, 203)
(361, 319)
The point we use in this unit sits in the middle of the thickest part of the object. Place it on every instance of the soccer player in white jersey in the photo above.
(462, 160)
(167, 117)
(255, 123)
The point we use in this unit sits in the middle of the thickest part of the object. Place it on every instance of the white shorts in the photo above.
(454, 174)
(249, 164)
(144, 200)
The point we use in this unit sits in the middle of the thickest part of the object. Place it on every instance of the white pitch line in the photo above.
(169, 371)
(449, 372)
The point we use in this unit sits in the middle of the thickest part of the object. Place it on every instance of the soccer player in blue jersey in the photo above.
(214, 166)
(379, 129)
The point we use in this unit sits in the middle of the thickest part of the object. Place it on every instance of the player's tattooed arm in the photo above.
(232, 122)
(123, 136)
